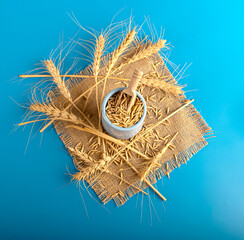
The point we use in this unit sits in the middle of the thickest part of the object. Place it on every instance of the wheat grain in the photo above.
(154, 163)
(118, 114)
(167, 170)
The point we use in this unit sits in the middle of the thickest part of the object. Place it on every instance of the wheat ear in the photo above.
(88, 167)
(114, 57)
(100, 42)
(53, 70)
(148, 50)
(56, 113)
(161, 84)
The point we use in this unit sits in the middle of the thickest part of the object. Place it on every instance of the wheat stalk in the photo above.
(114, 57)
(147, 51)
(100, 42)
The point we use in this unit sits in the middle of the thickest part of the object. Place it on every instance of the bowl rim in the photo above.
(104, 104)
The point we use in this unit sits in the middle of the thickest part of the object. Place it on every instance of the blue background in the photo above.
(205, 197)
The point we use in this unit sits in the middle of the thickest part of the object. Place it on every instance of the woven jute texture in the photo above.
(188, 123)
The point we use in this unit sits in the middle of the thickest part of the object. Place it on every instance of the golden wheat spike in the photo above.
(161, 84)
(98, 54)
(88, 167)
(57, 79)
(100, 43)
(114, 57)
(122, 47)
(148, 49)
(54, 112)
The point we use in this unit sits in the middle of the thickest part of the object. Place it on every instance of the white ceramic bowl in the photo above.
(119, 132)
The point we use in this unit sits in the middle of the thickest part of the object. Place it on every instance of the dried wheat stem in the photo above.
(87, 119)
(96, 66)
(28, 122)
(123, 180)
(154, 162)
(86, 165)
(115, 56)
(70, 76)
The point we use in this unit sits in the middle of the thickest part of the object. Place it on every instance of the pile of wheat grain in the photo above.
(118, 114)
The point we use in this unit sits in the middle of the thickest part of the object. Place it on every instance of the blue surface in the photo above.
(205, 197)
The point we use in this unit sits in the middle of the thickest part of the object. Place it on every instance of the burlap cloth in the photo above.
(188, 123)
